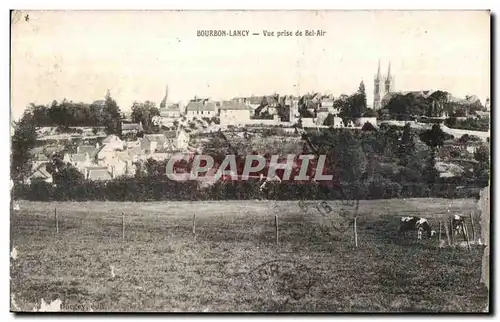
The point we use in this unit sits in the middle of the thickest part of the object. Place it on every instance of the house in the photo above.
(254, 102)
(114, 142)
(132, 144)
(51, 149)
(170, 113)
(131, 128)
(97, 173)
(117, 167)
(234, 113)
(107, 152)
(78, 160)
(321, 115)
(136, 153)
(40, 174)
(169, 140)
(124, 156)
(152, 142)
(37, 150)
(178, 140)
(161, 156)
(200, 109)
(39, 159)
(91, 150)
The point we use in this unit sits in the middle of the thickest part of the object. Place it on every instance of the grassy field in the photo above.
(160, 267)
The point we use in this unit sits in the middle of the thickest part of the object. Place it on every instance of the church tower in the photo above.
(377, 90)
(389, 81)
(163, 103)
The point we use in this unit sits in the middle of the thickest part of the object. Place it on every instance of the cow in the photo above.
(415, 223)
(458, 223)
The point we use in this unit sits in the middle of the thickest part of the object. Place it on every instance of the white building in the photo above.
(234, 113)
(78, 160)
(166, 141)
(200, 109)
(113, 142)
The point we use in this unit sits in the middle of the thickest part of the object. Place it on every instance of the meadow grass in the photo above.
(160, 267)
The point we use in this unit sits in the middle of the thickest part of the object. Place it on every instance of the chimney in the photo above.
(113, 171)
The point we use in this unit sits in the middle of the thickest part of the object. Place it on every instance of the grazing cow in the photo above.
(458, 224)
(415, 223)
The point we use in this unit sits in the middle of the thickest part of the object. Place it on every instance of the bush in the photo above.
(368, 127)
(161, 189)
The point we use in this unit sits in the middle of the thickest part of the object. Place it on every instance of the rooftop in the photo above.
(90, 149)
(131, 126)
(99, 174)
(235, 105)
(41, 172)
(79, 157)
(200, 106)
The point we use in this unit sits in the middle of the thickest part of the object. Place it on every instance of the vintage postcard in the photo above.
(250, 161)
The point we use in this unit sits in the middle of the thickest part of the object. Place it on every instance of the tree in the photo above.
(111, 116)
(144, 113)
(329, 120)
(350, 107)
(345, 158)
(482, 154)
(368, 127)
(406, 147)
(370, 113)
(23, 140)
(451, 122)
(437, 101)
(482, 169)
(405, 107)
(68, 176)
(362, 96)
(434, 137)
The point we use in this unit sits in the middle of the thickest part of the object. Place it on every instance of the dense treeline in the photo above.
(166, 190)
(472, 124)
(105, 113)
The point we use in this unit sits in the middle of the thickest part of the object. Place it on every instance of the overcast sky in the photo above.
(79, 55)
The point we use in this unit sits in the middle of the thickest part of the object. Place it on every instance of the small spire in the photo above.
(163, 103)
(389, 71)
(378, 70)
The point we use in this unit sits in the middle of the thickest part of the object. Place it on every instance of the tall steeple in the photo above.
(377, 89)
(389, 82)
(163, 103)
(378, 70)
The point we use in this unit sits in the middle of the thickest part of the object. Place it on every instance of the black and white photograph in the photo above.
(250, 161)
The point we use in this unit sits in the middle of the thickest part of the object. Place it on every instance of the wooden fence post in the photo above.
(447, 231)
(194, 226)
(466, 235)
(355, 233)
(276, 225)
(472, 226)
(123, 225)
(439, 242)
(452, 231)
(57, 220)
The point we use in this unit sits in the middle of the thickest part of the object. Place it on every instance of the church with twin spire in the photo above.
(382, 86)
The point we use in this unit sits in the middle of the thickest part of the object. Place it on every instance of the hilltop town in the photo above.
(97, 142)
